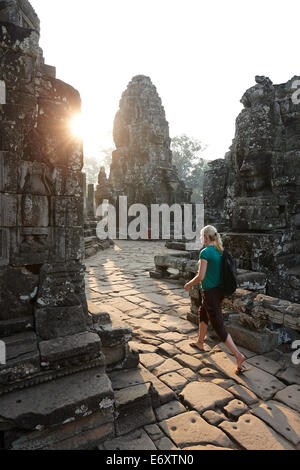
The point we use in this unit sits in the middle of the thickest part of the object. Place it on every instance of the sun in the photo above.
(77, 126)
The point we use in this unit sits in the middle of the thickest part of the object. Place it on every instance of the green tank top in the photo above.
(213, 271)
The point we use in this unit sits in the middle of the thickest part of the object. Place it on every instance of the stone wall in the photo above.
(257, 200)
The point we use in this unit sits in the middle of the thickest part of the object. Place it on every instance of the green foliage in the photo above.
(187, 157)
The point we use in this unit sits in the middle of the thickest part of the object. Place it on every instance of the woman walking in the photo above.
(210, 310)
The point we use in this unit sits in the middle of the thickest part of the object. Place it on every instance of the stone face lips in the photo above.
(141, 166)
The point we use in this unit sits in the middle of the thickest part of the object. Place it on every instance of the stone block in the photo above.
(189, 429)
(168, 410)
(84, 433)
(258, 341)
(290, 396)
(235, 408)
(62, 349)
(59, 321)
(202, 396)
(136, 440)
(53, 403)
(253, 434)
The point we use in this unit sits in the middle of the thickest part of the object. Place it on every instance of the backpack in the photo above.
(228, 277)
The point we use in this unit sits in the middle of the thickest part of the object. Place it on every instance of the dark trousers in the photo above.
(211, 310)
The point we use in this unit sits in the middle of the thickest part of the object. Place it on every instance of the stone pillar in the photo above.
(84, 196)
(91, 212)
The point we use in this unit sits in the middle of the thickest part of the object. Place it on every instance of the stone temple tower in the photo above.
(142, 166)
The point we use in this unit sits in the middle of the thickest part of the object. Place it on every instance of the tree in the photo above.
(189, 163)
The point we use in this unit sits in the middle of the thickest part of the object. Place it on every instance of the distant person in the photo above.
(212, 296)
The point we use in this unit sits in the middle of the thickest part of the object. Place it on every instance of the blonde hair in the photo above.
(211, 232)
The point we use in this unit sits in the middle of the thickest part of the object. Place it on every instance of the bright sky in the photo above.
(201, 56)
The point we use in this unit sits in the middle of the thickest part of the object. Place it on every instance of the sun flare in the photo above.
(77, 126)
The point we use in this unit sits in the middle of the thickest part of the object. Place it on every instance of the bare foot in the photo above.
(239, 360)
(198, 346)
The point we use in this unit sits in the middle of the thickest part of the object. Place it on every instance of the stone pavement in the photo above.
(200, 403)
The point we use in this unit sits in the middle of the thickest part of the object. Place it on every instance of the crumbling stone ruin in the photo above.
(142, 166)
(55, 392)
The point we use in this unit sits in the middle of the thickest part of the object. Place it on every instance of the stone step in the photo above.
(58, 401)
(16, 325)
(21, 356)
(59, 351)
(114, 332)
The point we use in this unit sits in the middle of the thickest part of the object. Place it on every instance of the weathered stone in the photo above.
(265, 363)
(291, 375)
(165, 444)
(235, 408)
(253, 434)
(167, 366)
(154, 431)
(189, 429)
(177, 324)
(84, 433)
(208, 447)
(202, 396)
(60, 321)
(224, 383)
(54, 402)
(61, 349)
(281, 418)
(263, 384)
(173, 380)
(189, 362)
(137, 440)
(172, 337)
(257, 341)
(142, 347)
(244, 394)
(151, 360)
(188, 374)
(168, 349)
(169, 410)
(290, 396)
(214, 417)
(206, 372)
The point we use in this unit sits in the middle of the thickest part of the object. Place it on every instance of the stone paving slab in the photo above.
(263, 384)
(281, 418)
(175, 381)
(172, 337)
(147, 326)
(290, 396)
(291, 375)
(265, 364)
(168, 349)
(142, 347)
(224, 383)
(202, 396)
(189, 429)
(235, 408)
(165, 444)
(189, 374)
(173, 408)
(189, 361)
(177, 324)
(208, 447)
(214, 417)
(242, 393)
(169, 365)
(151, 360)
(253, 434)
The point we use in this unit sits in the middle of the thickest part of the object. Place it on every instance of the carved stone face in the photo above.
(255, 174)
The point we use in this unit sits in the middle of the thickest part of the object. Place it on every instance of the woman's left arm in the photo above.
(199, 276)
